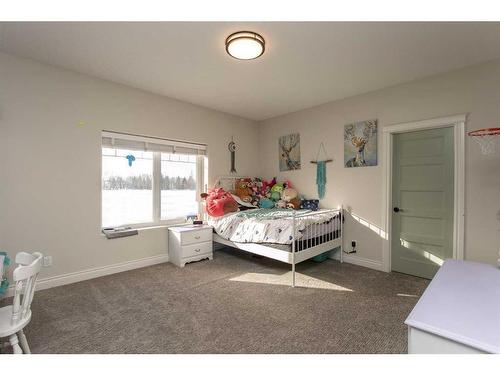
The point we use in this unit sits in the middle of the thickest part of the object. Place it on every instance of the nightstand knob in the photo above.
(197, 237)
(197, 250)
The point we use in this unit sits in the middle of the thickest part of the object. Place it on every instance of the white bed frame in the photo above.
(299, 251)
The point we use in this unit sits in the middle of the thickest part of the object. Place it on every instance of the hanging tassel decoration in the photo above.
(321, 178)
(321, 170)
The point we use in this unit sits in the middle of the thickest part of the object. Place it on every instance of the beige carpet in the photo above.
(234, 304)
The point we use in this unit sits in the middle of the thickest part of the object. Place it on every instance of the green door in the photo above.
(422, 201)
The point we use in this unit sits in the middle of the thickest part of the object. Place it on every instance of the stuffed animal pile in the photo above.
(267, 194)
(258, 193)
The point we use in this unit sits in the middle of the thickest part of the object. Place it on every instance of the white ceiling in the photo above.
(305, 63)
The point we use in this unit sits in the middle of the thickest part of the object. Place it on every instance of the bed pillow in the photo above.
(310, 204)
(242, 203)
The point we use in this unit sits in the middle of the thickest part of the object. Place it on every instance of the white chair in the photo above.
(15, 317)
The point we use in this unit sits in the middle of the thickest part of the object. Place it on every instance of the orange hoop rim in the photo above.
(483, 132)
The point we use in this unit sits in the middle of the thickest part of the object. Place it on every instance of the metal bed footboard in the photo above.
(322, 237)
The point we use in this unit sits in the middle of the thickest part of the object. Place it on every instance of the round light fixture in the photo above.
(245, 45)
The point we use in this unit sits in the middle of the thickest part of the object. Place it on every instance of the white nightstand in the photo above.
(189, 243)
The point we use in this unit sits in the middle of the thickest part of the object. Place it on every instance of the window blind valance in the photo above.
(134, 142)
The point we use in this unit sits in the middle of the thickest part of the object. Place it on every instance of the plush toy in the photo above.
(294, 203)
(268, 193)
(310, 204)
(257, 184)
(266, 203)
(219, 202)
(288, 194)
(272, 182)
(266, 187)
(243, 189)
(281, 204)
(276, 192)
(263, 188)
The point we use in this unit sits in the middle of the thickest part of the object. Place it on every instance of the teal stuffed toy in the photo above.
(266, 203)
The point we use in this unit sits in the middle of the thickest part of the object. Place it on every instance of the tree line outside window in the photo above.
(144, 182)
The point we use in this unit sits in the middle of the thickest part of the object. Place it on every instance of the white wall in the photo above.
(50, 168)
(474, 90)
(50, 185)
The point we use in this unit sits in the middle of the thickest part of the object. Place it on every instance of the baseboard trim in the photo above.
(364, 262)
(92, 273)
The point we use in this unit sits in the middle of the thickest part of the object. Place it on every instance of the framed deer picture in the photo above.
(289, 152)
(360, 144)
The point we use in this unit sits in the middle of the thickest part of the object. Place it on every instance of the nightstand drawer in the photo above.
(196, 236)
(196, 249)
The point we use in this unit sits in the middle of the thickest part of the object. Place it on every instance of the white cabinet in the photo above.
(459, 311)
(424, 342)
(189, 243)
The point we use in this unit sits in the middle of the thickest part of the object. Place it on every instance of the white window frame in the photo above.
(201, 175)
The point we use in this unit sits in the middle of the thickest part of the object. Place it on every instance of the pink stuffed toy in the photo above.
(263, 188)
(219, 202)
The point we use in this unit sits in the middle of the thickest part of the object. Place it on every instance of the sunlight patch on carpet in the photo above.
(301, 280)
(407, 295)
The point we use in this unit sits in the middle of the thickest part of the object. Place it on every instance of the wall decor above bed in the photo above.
(360, 144)
(321, 170)
(232, 150)
(289, 152)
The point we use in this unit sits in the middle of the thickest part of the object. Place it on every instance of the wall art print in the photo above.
(289, 152)
(360, 144)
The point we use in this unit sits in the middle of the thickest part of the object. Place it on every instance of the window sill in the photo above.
(148, 227)
(167, 225)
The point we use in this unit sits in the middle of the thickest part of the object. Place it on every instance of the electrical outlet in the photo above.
(47, 261)
(352, 250)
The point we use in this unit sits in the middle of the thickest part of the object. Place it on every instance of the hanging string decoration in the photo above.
(232, 150)
(321, 178)
(321, 171)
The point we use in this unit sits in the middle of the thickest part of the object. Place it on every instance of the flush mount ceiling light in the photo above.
(245, 45)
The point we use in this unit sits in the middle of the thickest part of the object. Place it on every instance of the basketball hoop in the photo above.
(486, 139)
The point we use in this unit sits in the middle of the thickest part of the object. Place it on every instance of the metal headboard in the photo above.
(227, 182)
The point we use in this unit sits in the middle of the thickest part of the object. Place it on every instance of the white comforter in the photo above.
(267, 225)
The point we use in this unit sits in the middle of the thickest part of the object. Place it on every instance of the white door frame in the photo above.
(458, 124)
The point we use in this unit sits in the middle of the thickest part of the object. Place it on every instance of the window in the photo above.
(178, 186)
(127, 192)
(150, 181)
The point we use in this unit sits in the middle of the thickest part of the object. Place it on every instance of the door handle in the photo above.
(397, 209)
